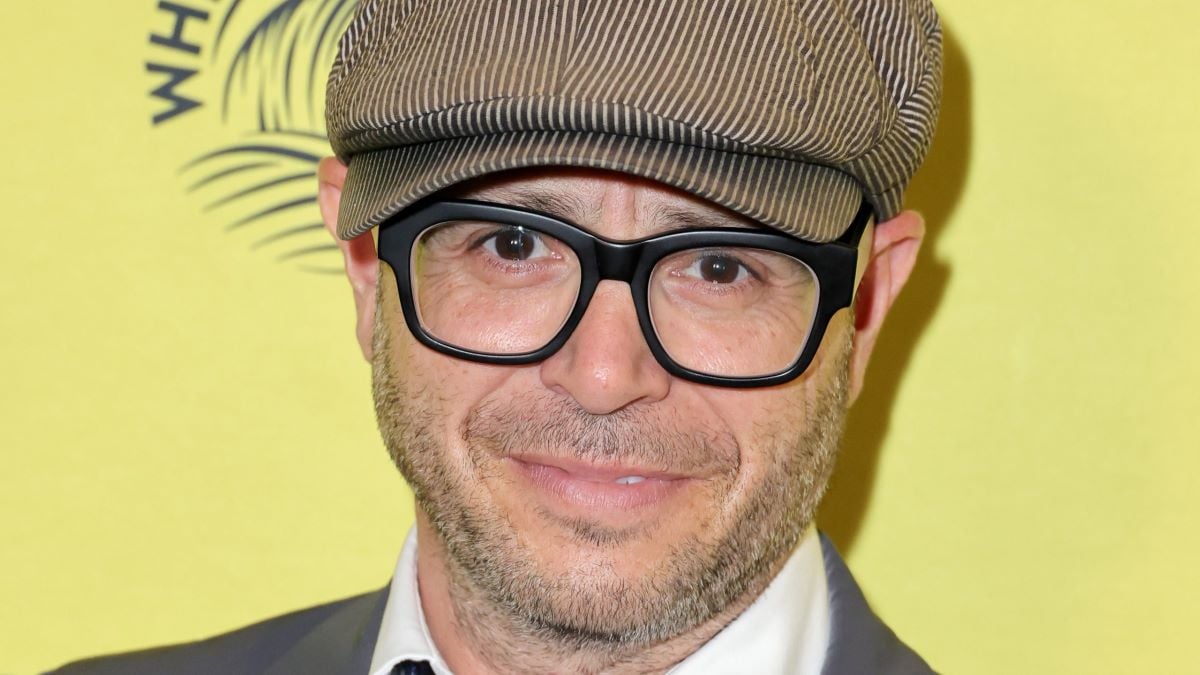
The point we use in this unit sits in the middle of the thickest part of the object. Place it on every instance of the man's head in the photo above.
(592, 498)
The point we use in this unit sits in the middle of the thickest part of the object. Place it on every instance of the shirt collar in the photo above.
(785, 630)
(403, 633)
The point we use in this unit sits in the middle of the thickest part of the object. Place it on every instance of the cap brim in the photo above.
(810, 201)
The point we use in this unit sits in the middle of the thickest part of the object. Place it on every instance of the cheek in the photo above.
(442, 390)
(768, 423)
(451, 386)
(765, 423)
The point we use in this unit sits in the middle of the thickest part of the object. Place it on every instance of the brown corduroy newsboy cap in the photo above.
(788, 112)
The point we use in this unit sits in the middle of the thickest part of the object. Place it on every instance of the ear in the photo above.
(362, 263)
(893, 252)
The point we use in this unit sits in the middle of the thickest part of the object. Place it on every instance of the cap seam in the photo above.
(728, 203)
(760, 151)
(752, 155)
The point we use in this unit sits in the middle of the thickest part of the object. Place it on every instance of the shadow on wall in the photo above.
(935, 192)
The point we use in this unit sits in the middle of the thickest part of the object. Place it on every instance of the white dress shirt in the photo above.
(785, 631)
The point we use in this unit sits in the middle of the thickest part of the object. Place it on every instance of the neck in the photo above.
(477, 638)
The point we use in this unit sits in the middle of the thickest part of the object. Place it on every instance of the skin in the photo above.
(514, 580)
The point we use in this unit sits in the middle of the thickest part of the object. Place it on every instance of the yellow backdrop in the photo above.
(188, 441)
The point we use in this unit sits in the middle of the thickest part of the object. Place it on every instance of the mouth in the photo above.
(613, 489)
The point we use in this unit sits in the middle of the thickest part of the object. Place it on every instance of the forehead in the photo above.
(610, 203)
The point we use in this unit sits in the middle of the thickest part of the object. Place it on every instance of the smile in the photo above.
(572, 485)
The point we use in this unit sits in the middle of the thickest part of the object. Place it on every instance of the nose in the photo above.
(606, 364)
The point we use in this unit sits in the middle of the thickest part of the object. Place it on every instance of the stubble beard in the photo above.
(495, 577)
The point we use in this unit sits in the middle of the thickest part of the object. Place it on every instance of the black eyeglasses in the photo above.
(505, 285)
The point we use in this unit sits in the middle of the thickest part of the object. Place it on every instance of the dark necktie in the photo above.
(412, 668)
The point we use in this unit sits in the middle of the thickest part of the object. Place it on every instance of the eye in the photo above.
(718, 268)
(515, 243)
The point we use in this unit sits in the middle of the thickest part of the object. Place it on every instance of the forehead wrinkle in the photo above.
(660, 216)
(654, 212)
(563, 204)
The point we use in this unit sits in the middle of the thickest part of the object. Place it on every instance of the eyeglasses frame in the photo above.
(834, 265)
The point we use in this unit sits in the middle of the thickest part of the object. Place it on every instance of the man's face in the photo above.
(517, 467)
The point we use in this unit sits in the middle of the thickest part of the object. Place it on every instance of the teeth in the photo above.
(630, 480)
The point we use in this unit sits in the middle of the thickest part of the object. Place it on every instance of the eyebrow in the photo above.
(692, 219)
(572, 207)
(568, 206)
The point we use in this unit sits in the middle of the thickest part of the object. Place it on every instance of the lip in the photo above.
(572, 483)
(600, 473)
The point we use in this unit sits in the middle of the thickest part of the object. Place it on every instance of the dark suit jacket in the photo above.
(339, 639)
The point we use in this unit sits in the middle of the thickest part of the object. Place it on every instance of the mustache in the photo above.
(554, 426)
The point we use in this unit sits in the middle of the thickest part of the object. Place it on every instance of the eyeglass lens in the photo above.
(493, 288)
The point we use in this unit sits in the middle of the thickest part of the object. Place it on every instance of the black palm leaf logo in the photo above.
(274, 60)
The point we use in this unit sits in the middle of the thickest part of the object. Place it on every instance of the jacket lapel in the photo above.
(342, 644)
(858, 641)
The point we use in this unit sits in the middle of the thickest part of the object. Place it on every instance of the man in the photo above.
(631, 262)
